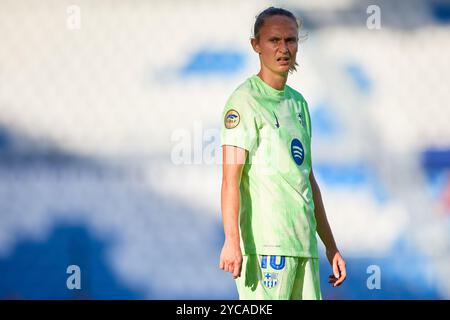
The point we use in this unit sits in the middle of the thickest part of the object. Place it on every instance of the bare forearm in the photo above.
(231, 255)
(323, 227)
(230, 209)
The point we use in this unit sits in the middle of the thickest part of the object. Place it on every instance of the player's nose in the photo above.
(283, 47)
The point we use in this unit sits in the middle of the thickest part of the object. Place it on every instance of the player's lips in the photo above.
(283, 60)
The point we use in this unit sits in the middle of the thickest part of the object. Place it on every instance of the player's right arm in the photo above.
(233, 162)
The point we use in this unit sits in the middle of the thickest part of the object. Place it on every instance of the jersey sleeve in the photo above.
(239, 123)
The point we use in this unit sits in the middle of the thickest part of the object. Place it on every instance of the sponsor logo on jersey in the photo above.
(232, 119)
(297, 151)
(270, 279)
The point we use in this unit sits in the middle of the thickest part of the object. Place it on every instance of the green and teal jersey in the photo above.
(276, 214)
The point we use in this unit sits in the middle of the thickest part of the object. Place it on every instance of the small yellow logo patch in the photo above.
(232, 119)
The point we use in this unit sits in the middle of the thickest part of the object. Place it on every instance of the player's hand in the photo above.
(339, 268)
(231, 257)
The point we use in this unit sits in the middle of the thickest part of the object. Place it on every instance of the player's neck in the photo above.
(274, 80)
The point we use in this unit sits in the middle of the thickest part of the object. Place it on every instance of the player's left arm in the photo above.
(326, 235)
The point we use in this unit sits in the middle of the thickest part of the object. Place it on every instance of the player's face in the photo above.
(277, 44)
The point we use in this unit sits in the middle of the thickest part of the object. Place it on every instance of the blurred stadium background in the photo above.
(110, 151)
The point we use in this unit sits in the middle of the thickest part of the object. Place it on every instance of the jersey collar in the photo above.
(268, 89)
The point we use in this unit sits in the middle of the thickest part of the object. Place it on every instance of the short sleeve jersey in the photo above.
(276, 213)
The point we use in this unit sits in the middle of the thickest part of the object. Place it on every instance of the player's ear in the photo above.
(255, 44)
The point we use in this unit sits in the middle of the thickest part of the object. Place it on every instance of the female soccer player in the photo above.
(271, 203)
